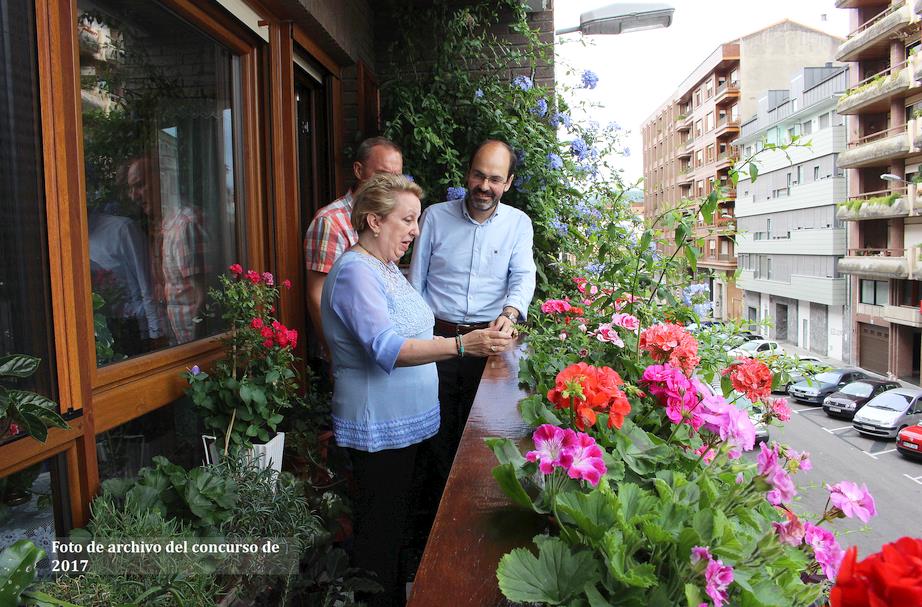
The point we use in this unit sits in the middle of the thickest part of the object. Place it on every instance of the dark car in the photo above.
(852, 397)
(817, 388)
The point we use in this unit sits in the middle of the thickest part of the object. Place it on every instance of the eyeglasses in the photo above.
(492, 179)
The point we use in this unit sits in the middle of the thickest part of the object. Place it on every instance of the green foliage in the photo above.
(439, 115)
(17, 571)
(32, 413)
(203, 497)
(555, 576)
(855, 204)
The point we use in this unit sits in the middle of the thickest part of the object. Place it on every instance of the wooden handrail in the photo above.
(476, 523)
(888, 11)
(871, 252)
(878, 135)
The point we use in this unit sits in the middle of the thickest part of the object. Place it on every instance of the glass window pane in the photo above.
(25, 299)
(867, 291)
(161, 146)
(883, 292)
(173, 431)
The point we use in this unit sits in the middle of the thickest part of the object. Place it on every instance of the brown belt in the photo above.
(443, 327)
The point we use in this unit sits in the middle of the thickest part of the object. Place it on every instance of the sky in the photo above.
(638, 71)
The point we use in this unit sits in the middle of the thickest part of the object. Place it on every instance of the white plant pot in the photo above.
(267, 455)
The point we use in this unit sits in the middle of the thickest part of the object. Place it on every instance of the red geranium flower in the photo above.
(586, 390)
(236, 269)
(673, 344)
(751, 377)
(892, 576)
(253, 276)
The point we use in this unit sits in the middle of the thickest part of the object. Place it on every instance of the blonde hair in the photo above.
(378, 196)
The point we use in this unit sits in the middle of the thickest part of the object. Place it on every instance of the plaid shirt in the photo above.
(183, 270)
(329, 235)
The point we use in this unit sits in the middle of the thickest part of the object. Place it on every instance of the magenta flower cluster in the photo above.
(826, 549)
(676, 392)
(853, 501)
(717, 576)
(574, 452)
(774, 473)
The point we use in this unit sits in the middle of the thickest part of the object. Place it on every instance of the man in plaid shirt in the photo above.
(331, 233)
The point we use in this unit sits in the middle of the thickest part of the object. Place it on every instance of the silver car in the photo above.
(888, 413)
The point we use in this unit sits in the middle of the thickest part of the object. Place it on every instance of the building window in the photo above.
(162, 154)
(792, 132)
(734, 113)
(874, 292)
(816, 173)
(699, 128)
(806, 127)
(800, 174)
(709, 88)
(824, 121)
(709, 122)
(698, 98)
(768, 264)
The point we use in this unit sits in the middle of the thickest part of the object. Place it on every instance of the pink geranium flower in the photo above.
(790, 532)
(587, 463)
(780, 409)
(826, 549)
(718, 578)
(852, 500)
(771, 470)
(625, 321)
(606, 334)
(555, 306)
(553, 447)
(700, 553)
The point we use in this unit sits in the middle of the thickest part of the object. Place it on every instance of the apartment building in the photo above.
(687, 140)
(788, 237)
(883, 107)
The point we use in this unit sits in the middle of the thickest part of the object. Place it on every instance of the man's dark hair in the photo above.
(365, 148)
(513, 159)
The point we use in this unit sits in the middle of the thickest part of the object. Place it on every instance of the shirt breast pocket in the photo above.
(498, 260)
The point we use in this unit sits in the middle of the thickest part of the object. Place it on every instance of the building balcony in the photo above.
(683, 152)
(877, 149)
(872, 39)
(727, 126)
(818, 289)
(883, 204)
(809, 195)
(820, 241)
(686, 178)
(873, 94)
(882, 263)
(727, 93)
(683, 123)
(902, 315)
(858, 3)
(725, 161)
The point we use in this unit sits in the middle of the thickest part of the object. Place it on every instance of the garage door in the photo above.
(873, 348)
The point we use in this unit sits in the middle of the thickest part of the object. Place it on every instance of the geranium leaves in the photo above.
(555, 576)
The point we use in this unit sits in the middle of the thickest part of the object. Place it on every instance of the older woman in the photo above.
(385, 399)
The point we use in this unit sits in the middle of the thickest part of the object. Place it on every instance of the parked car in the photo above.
(888, 413)
(909, 441)
(755, 410)
(807, 367)
(756, 346)
(849, 400)
(815, 389)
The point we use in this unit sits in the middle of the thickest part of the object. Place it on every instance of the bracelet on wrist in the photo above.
(459, 345)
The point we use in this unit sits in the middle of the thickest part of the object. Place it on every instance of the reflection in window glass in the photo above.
(25, 300)
(173, 431)
(161, 148)
(28, 500)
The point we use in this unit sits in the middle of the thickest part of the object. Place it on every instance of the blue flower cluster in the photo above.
(559, 118)
(593, 268)
(698, 296)
(554, 161)
(478, 94)
(559, 226)
(519, 156)
(522, 82)
(590, 79)
(540, 108)
(587, 210)
(456, 193)
(579, 148)
(409, 177)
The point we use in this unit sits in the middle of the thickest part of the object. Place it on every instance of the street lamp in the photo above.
(622, 18)
(892, 177)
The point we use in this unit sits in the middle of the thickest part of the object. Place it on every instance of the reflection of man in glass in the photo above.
(179, 256)
(120, 264)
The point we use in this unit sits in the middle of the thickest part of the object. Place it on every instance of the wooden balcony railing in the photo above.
(878, 135)
(476, 523)
(901, 190)
(872, 252)
(888, 11)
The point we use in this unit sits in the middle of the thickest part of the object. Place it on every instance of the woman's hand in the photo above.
(486, 342)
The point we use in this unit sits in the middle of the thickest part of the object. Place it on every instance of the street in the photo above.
(839, 453)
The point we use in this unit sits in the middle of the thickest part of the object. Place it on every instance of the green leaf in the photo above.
(593, 513)
(623, 567)
(555, 576)
(506, 451)
(753, 171)
(595, 597)
(17, 570)
(691, 256)
(726, 385)
(505, 475)
(18, 365)
(693, 595)
(246, 393)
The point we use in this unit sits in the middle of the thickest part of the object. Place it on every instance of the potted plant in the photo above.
(242, 399)
(22, 411)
